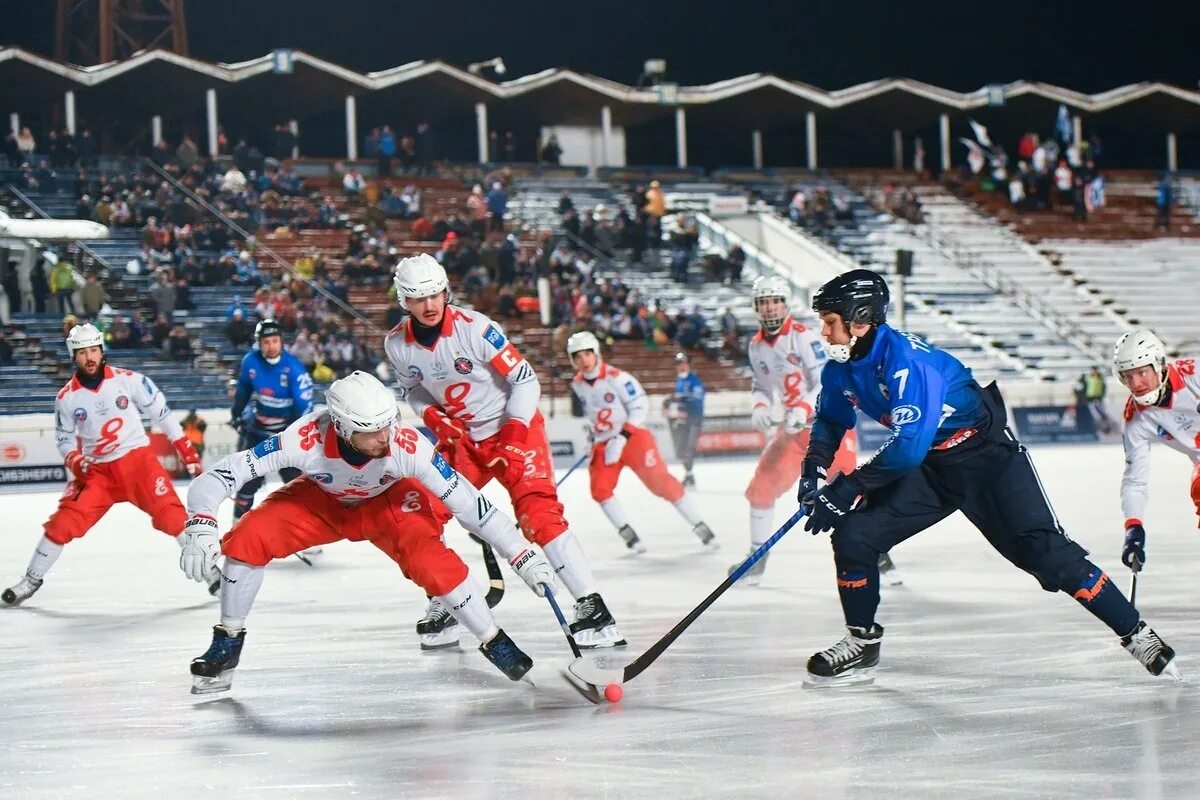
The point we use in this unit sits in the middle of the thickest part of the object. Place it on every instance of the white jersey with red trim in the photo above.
(788, 365)
(472, 372)
(1175, 422)
(310, 445)
(105, 423)
(612, 401)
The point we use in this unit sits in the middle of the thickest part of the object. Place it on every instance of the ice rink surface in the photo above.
(988, 687)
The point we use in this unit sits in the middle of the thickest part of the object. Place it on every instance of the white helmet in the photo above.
(85, 335)
(1138, 349)
(770, 286)
(359, 403)
(420, 276)
(584, 340)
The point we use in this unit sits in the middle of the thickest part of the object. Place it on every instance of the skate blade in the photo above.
(313, 551)
(608, 636)
(891, 579)
(586, 690)
(438, 641)
(863, 677)
(202, 684)
(1171, 672)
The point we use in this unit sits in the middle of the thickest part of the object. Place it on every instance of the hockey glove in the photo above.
(78, 464)
(614, 447)
(831, 505)
(533, 568)
(237, 422)
(201, 546)
(445, 428)
(812, 478)
(1134, 554)
(761, 418)
(189, 456)
(797, 419)
(509, 455)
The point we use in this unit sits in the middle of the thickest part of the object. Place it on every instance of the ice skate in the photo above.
(213, 671)
(705, 535)
(24, 590)
(593, 626)
(508, 658)
(851, 661)
(631, 539)
(1146, 646)
(753, 575)
(438, 629)
(887, 571)
(689, 480)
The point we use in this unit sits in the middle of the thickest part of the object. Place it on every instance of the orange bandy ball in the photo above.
(613, 692)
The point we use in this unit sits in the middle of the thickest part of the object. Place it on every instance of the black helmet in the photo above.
(859, 295)
(267, 327)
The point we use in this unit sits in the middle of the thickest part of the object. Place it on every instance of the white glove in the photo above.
(533, 568)
(796, 419)
(612, 450)
(201, 546)
(761, 417)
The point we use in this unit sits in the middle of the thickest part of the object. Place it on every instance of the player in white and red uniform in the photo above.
(479, 395)
(617, 406)
(363, 478)
(1162, 408)
(786, 358)
(98, 425)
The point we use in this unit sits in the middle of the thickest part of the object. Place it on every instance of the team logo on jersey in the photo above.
(793, 359)
(122, 402)
(265, 447)
(267, 391)
(80, 414)
(903, 415)
(819, 351)
(416, 373)
(441, 466)
(494, 337)
(463, 365)
(253, 374)
(1162, 434)
(322, 477)
(283, 379)
(609, 397)
(850, 398)
(384, 480)
(762, 365)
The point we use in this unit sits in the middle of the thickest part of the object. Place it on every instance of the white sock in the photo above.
(44, 555)
(570, 564)
(467, 605)
(615, 513)
(686, 507)
(761, 520)
(239, 586)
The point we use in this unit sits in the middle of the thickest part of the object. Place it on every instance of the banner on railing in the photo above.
(1054, 424)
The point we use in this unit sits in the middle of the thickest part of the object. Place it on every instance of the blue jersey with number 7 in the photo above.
(926, 396)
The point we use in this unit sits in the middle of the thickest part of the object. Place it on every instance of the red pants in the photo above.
(1196, 487)
(401, 522)
(534, 497)
(640, 455)
(780, 464)
(136, 477)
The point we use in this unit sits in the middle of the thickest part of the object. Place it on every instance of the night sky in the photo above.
(1088, 46)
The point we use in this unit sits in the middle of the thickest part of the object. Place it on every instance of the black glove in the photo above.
(1134, 554)
(812, 478)
(236, 422)
(831, 505)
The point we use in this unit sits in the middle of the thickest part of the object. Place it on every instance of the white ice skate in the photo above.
(594, 626)
(23, 590)
(438, 629)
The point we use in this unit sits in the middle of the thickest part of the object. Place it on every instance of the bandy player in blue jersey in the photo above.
(950, 450)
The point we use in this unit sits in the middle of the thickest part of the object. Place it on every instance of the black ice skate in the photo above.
(850, 661)
(689, 480)
(594, 626)
(1155, 654)
(508, 658)
(704, 534)
(888, 573)
(631, 539)
(213, 671)
(24, 590)
(753, 575)
(438, 629)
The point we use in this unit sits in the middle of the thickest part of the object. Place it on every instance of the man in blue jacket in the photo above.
(686, 411)
(950, 450)
(273, 391)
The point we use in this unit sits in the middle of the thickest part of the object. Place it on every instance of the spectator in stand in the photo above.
(552, 151)
(565, 203)
(11, 151)
(120, 333)
(187, 153)
(1164, 202)
(425, 148)
(1016, 186)
(497, 203)
(510, 146)
(247, 270)
(239, 330)
(62, 284)
(179, 344)
(162, 294)
(797, 208)
(6, 351)
(371, 144)
(353, 183)
(730, 340)
(656, 209)
(1064, 182)
(1079, 199)
(234, 181)
(387, 151)
(26, 145)
(159, 330)
(477, 206)
(234, 307)
(736, 259)
(91, 296)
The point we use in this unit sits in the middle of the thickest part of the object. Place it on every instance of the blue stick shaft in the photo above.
(574, 467)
